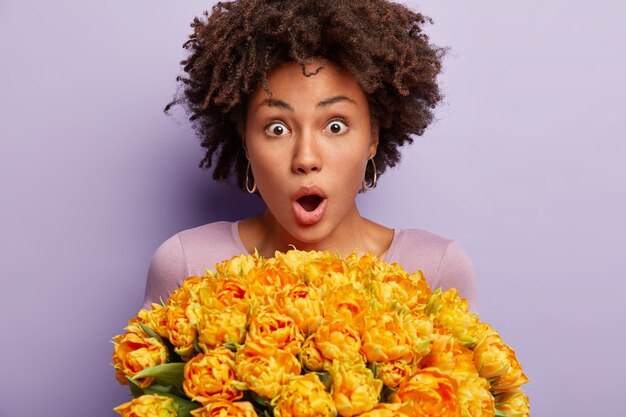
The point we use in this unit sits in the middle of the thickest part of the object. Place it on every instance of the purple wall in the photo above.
(524, 168)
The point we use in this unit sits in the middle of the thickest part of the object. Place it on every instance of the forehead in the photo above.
(320, 81)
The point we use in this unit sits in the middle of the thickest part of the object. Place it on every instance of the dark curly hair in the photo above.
(233, 48)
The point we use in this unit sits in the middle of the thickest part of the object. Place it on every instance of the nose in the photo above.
(306, 155)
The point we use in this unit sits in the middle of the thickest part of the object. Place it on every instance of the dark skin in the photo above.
(234, 48)
(315, 132)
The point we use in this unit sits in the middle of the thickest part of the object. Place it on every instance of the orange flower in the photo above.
(355, 390)
(181, 332)
(450, 312)
(388, 337)
(274, 275)
(448, 355)
(225, 408)
(399, 288)
(497, 362)
(338, 340)
(312, 267)
(133, 353)
(264, 370)
(311, 357)
(348, 301)
(185, 294)
(513, 403)
(474, 397)
(217, 327)
(209, 376)
(237, 266)
(148, 406)
(385, 410)
(156, 319)
(393, 373)
(304, 396)
(233, 292)
(303, 305)
(429, 393)
(269, 327)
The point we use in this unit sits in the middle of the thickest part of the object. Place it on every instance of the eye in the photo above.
(276, 129)
(336, 127)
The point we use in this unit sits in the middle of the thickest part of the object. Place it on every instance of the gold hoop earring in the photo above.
(248, 189)
(368, 186)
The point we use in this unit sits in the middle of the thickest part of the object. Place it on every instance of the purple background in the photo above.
(524, 167)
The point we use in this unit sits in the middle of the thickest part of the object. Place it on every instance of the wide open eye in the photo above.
(336, 127)
(276, 129)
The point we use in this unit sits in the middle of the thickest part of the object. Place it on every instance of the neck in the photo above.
(355, 233)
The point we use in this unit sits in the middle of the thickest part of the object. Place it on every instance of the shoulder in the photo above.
(188, 253)
(444, 262)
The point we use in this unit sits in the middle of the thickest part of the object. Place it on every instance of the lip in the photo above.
(308, 218)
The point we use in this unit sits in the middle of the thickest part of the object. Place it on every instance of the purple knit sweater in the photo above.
(443, 262)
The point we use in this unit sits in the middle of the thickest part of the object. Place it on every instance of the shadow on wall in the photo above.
(220, 201)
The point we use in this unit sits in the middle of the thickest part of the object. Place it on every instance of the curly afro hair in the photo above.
(232, 49)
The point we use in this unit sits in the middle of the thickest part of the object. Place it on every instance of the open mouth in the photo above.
(310, 202)
(309, 205)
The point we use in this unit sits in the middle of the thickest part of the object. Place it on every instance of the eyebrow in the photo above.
(332, 100)
(272, 102)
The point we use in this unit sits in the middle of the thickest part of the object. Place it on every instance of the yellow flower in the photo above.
(225, 408)
(393, 373)
(398, 288)
(209, 376)
(181, 332)
(269, 327)
(217, 327)
(311, 357)
(133, 353)
(385, 410)
(513, 404)
(448, 355)
(304, 396)
(148, 406)
(450, 312)
(338, 340)
(237, 266)
(474, 397)
(348, 301)
(497, 362)
(185, 294)
(156, 319)
(388, 337)
(275, 275)
(303, 305)
(233, 292)
(264, 369)
(429, 393)
(355, 390)
(312, 267)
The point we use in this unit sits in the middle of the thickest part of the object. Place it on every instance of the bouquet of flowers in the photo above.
(311, 334)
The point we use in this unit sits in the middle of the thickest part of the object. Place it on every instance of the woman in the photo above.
(306, 103)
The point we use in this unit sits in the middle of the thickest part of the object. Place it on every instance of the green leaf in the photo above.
(233, 347)
(325, 379)
(150, 332)
(167, 374)
(135, 389)
(387, 393)
(196, 345)
(374, 368)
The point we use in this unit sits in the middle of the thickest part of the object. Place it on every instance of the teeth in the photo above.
(310, 202)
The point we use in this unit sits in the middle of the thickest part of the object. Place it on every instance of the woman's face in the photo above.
(308, 145)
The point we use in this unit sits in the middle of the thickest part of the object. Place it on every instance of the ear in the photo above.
(374, 140)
